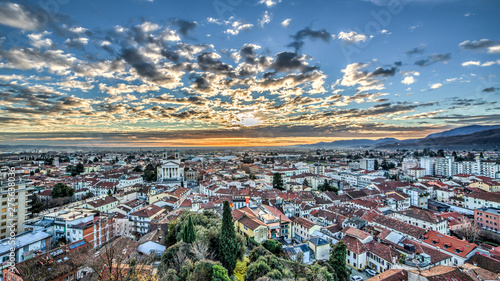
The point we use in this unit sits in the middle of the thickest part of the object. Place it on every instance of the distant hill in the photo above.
(352, 143)
(463, 131)
(489, 139)
(438, 139)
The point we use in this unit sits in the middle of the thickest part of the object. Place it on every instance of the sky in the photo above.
(157, 73)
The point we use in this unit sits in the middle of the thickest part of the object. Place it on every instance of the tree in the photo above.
(338, 261)
(306, 183)
(273, 246)
(170, 238)
(376, 165)
(471, 231)
(228, 246)
(278, 181)
(219, 273)
(189, 235)
(62, 190)
(138, 169)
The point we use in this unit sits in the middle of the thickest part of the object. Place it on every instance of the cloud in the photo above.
(266, 18)
(408, 80)
(436, 86)
(237, 26)
(490, 45)
(269, 3)
(354, 75)
(352, 37)
(490, 89)
(385, 31)
(286, 22)
(307, 32)
(417, 50)
(19, 16)
(185, 26)
(478, 63)
(444, 58)
(37, 40)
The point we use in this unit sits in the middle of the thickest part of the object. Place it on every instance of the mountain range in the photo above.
(474, 136)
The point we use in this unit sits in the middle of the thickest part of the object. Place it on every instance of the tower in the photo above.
(176, 154)
(165, 154)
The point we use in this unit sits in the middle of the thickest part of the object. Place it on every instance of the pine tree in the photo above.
(228, 245)
(189, 235)
(338, 261)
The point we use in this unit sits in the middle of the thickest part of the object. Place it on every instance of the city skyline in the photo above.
(244, 73)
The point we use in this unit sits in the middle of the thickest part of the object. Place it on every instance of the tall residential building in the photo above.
(18, 199)
(367, 164)
(428, 164)
(444, 166)
(409, 163)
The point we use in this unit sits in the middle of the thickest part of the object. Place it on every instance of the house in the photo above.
(456, 221)
(481, 199)
(144, 217)
(391, 275)
(24, 246)
(399, 227)
(63, 263)
(248, 224)
(320, 248)
(488, 218)
(423, 218)
(303, 228)
(103, 204)
(293, 252)
(460, 250)
(486, 185)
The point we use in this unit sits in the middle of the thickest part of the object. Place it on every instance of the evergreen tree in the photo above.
(171, 237)
(306, 183)
(228, 245)
(189, 235)
(338, 261)
(278, 181)
(62, 190)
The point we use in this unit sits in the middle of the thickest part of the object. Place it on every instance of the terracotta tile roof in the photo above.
(148, 211)
(348, 230)
(489, 196)
(403, 227)
(383, 251)
(444, 273)
(354, 245)
(448, 243)
(101, 202)
(421, 214)
(251, 222)
(436, 255)
(307, 223)
(485, 262)
(391, 275)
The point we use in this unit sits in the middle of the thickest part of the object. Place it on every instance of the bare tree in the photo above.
(471, 231)
(201, 249)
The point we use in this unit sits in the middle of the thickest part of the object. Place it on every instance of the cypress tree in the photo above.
(228, 245)
(338, 261)
(278, 181)
(189, 235)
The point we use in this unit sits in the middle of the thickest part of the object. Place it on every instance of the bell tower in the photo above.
(165, 154)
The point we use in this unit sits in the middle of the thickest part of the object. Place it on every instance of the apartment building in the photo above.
(423, 218)
(18, 198)
(488, 218)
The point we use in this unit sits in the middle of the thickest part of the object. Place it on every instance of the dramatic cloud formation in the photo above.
(243, 74)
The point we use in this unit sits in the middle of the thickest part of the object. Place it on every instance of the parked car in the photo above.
(371, 272)
(356, 278)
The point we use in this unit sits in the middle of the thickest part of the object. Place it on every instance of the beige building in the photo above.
(19, 200)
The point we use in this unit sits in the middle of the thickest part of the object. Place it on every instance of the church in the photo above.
(169, 170)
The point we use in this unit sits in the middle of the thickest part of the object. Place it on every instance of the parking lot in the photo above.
(362, 274)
